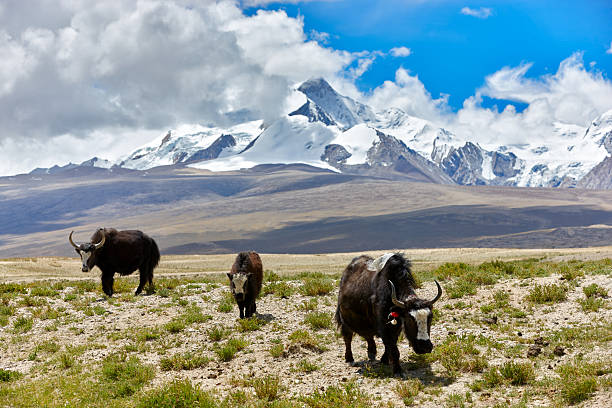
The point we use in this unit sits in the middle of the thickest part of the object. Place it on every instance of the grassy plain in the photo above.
(515, 328)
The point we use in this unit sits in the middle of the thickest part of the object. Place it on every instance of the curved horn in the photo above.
(394, 297)
(438, 295)
(99, 244)
(71, 241)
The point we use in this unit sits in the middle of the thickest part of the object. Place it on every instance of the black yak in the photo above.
(245, 278)
(377, 298)
(119, 251)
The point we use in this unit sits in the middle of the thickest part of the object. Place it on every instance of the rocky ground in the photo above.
(530, 333)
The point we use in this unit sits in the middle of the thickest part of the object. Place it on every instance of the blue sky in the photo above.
(452, 52)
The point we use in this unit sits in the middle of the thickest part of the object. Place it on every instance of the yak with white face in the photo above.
(245, 278)
(118, 251)
(377, 298)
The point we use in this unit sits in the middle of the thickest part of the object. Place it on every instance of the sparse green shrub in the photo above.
(316, 285)
(348, 395)
(306, 366)
(6, 310)
(517, 373)
(577, 379)
(591, 304)
(227, 351)
(15, 288)
(277, 350)
(43, 291)
(570, 272)
(249, 324)
(306, 340)
(22, 324)
(547, 293)
(408, 390)
(194, 314)
(460, 288)
(451, 270)
(66, 360)
(267, 388)
(280, 289)
(318, 320)
(594, 290)
(127, 375)
(178, 394)
(459, 354)
(8, 375)
(308, 305)
(175, 325)
(226, 304)
(217, 333)
(185, 361)
(455, 400)
(271, 276)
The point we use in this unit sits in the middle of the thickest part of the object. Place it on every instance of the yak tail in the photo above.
(153, 256)
(338, 317)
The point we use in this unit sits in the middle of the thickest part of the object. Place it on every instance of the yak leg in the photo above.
(392, 355)
(371, 348)
(385, 357)
(241, 308)
(250, 309)
(107, 283)
(143, 281)
(348, 340)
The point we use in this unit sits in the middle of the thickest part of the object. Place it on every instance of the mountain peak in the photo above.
(344, 111)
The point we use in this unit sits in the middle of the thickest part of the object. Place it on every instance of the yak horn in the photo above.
(99, 244)
(439, 293)
(71, 241)
(394, 297)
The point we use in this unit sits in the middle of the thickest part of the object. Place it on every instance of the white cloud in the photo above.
(408, 93)
(482, 12)
(70, 70)
(572, 95)
(400, 51)
(609, 50)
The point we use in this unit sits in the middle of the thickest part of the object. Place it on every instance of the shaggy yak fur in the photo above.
(119, 251)
(245, 281)
(377, 298)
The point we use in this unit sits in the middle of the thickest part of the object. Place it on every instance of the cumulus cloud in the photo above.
(609, 50)
(70, 69)
(572, 95)
(482, 12)
(408, 93)
(400, 51)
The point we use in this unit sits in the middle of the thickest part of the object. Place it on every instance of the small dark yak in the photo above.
(119, 251)
(245, 281)
(377, 298)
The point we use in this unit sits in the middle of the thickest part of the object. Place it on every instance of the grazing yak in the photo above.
(119, 251)
(245, 281)
(377, 298)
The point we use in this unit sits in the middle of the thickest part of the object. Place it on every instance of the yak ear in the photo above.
(229, 275)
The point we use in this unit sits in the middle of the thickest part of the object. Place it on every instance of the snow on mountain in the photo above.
(290, 139)
(193, 143)
(333, 131)
(97, 162)
(344, 111)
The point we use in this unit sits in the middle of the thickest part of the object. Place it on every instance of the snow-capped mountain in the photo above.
(190, 144)
(333, 131)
